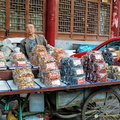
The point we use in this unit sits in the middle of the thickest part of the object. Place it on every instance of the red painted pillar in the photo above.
(50, 21)
(115, 18)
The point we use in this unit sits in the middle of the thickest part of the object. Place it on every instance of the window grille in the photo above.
(104, 19)
(2, 14)
(17, 15)
(36, 14)
(64, 15)
(92, 19)
(79, 16)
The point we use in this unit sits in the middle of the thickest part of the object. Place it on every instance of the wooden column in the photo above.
(51, 21)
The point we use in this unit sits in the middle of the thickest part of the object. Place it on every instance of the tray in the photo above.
(9, 66)
(44, 86)
(77, 84)
(4, 86)
(33, 66)
(99, 81)
(3, 68)
(13, 87)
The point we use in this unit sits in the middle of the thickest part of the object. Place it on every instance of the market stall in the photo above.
(110, 88)
(80, 84)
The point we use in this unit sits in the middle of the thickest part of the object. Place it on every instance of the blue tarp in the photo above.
(85, 47)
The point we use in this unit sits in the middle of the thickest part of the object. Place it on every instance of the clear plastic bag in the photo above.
(53, 83)
(49, 67)
(58, 54)
(96, 56)
(23, 77)
(58, 50)
(18, 59)
(55, 74)
(1, 55)
(47, 59)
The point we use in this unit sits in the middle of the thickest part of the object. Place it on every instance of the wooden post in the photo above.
(51, 21)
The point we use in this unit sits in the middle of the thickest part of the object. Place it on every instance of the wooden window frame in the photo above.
(85, 36)
(20, 33)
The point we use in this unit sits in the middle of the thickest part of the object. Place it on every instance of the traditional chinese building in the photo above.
(72, 20)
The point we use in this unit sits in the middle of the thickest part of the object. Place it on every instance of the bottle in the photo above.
(36, 102)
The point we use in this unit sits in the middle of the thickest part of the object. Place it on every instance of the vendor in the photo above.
(31, 40)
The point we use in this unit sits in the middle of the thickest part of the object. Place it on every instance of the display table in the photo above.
(43, 88)
(10, 91)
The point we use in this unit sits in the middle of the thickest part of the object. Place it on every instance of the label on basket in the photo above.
(76, 62)
(79, 71)
(2, 64)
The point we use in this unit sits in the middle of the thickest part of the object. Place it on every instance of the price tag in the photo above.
(50, 66)
(77, 62)
(1, 55)
(81, 81)
(54, 75)
(79, 71)
(99, 56)
(55, 82)
(2, 64)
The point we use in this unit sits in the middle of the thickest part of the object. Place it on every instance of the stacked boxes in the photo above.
(58, 54)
